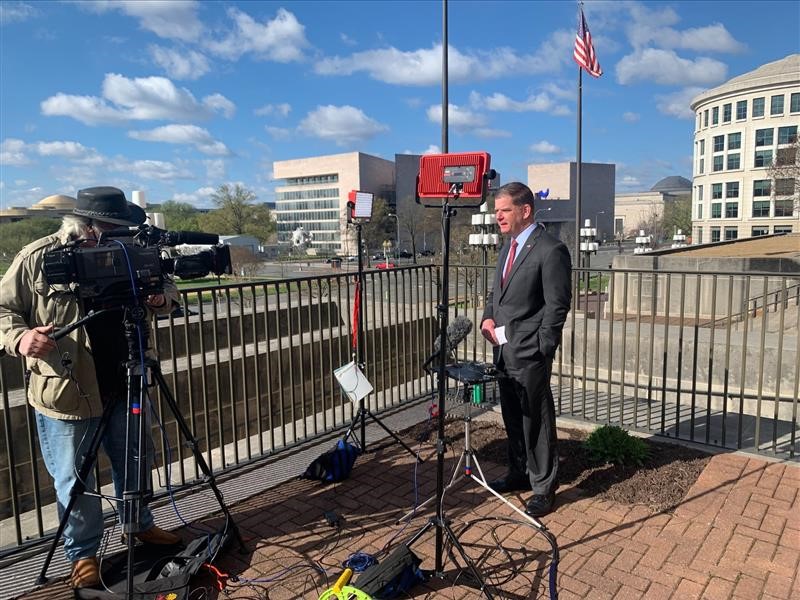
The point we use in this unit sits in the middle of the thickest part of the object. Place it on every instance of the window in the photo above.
(719, 143)
(741, 110)
(702, 166)
(702, 147)
(716, 191)
(764, 137)
(787, 135)
(762, 188)
(776, 105)
(699, 235)
(714, 234)
(734, 141)
(699, 193)
(794, 102)
(699, 211)
(705, 118)
(783, 208)
(784, 187)
(715, 115)
(782, 229)
(717, 164)
(726, 113)
(619, 225)
(716, 210)
(763, 158)
(731, 210)
(734, 161)
(757, 231)
(760, 208)
(731, 233)
(786, 156)
(758, 107)
(732, 189)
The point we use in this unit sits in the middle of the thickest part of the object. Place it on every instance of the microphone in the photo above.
(457, 331)
(174, 238)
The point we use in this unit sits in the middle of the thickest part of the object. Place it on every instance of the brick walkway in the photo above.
(736, 535)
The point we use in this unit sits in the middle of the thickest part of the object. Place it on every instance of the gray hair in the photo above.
(73, 226)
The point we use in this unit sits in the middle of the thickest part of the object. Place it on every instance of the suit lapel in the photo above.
(522, 254)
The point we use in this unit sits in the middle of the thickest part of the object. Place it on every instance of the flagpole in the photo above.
(576, 258)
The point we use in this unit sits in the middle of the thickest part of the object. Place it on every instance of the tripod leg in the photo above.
(198, 456)
(473, 569)
(78, 488)
(432, 498)
(394, 435)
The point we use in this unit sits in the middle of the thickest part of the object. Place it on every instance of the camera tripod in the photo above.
(136, 477)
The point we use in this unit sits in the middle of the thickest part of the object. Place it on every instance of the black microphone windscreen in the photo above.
(457, 331)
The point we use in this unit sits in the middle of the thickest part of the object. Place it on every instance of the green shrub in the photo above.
(612, 444)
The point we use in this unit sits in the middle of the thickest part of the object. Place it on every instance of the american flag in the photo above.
(584, 49)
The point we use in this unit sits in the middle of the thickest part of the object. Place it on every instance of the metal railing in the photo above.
(677, 354)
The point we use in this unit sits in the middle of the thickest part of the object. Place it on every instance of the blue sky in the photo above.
(175, 98)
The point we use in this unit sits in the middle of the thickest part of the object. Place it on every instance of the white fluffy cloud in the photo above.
(545, 147)
(424, 66)
(464, 120)
(183, 134)
(279, 133)
(541, 102)
(282, 39)
(667, 68)
(677, 103)
(13, 152)
(341, 124)
(169, 20)
(16, 12)
(280, 110)
(180, 65)
(630, 117)
(200, 198)
(140, 99)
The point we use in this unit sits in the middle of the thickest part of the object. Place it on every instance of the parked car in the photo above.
(385, 265)
(426, 252)
(352, 258)
(404, 254)
(377, 256)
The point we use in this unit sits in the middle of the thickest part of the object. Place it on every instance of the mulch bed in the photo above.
(660, 484)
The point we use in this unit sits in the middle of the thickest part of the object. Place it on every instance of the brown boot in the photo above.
(157, 537)
(85, 573)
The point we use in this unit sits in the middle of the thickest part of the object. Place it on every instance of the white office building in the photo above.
(742, 127)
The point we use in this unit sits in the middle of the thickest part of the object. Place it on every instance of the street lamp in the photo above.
(679, 239)
(588, 244)
(643, 243)
(387, 246)
(398, 229)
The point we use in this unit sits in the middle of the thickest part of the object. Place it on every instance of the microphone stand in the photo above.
(363, 410)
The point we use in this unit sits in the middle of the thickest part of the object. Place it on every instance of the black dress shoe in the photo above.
(540, 505)
(510, 483)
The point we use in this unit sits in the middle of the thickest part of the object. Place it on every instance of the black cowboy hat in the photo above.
(108, 204)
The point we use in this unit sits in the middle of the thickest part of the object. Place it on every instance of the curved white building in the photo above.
(742, 127)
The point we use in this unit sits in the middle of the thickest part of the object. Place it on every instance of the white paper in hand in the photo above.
(354, 383)
(500, 335)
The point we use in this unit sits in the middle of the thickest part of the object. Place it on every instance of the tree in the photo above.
(180, 216)
(420, 224)
(13, 236)
(237, 214)
(785, 171)
(678, 215)
(379, 228)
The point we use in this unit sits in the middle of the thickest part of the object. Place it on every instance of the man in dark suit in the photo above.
(525, 313)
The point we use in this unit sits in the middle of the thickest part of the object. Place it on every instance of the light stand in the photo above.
(137, 335)
(363, 410)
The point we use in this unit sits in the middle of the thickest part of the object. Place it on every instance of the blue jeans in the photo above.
(63, 444)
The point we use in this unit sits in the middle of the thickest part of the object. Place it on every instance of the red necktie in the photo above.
(510, 262)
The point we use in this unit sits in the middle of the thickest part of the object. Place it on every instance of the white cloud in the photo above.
(12, 152)
(74, 151)
(629, 182)
(153, 169)
(677, 103)
(534, 103)
(143, 98)
(220, 104)
(16, 12)
(667, 68)
(169, 20)
(424, 66)
(200, 198)
(282, 39)
(188, 65)
(347, 40)
(458, 118)
(654, 27)
(488, 132)
(432, 149)
(215, 169)
(279, 133)
(545, 147)
(340, 124)
(280, 110)
(631, 117)
(183, 134)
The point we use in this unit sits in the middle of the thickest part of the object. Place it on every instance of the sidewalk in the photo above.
(736, 535)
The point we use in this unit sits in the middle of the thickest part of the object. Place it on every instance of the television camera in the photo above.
(128, 263)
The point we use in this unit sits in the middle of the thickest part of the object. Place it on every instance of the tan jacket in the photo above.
(62, 384)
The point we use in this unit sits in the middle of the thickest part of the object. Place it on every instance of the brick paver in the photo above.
(736, 535)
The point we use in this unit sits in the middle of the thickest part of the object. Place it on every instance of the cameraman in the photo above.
(74, 378)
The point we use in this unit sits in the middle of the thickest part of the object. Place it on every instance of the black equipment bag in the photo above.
(393, 576)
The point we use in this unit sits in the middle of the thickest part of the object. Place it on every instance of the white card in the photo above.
(500, 335)
(354, 383)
